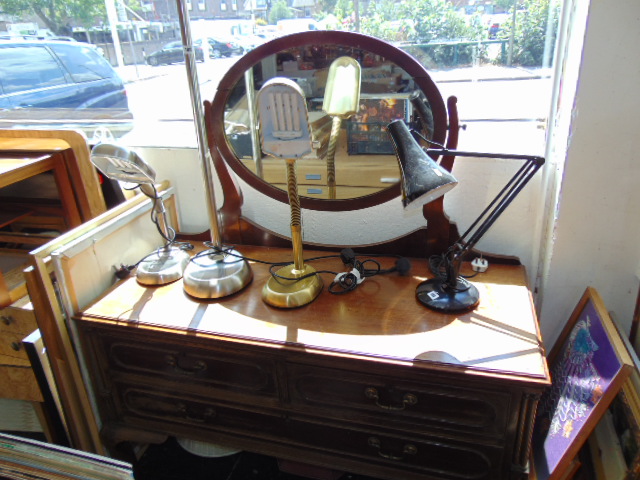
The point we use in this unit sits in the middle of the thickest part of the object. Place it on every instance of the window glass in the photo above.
(84, 64)
(28, 68)
(495, 56)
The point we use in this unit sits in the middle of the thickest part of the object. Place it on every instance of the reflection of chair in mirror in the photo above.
(284, 132)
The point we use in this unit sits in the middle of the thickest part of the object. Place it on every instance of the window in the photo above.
(28, 68)
(470, 55)
(84, 64)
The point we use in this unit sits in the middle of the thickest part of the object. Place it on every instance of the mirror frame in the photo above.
(215, 115)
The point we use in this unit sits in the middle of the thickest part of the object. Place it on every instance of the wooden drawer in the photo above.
(11, 346)
(174, 413)
(416, 404)
(191, 367)
(18, 317)
(433, 457)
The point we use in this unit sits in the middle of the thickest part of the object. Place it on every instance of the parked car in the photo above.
(60, 83)
(222, 47)
(248, 42)
(41, 74)
(172, 53)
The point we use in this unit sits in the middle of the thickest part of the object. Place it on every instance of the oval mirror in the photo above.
(366, 169)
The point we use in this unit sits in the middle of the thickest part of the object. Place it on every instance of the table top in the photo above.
(15, 168)
(380, 320)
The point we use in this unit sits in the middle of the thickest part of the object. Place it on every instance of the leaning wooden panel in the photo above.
(74, 397)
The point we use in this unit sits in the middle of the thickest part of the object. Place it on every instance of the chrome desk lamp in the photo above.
(219, 271)
(166, 264)
(284, 133)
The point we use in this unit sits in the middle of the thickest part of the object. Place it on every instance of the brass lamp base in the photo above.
(284, 293)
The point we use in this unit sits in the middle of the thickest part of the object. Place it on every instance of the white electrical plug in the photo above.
(479, 265)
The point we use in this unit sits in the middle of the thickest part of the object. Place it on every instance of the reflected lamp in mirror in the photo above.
(285, 134)
(341, 101)
(167, 263)
(449, 292)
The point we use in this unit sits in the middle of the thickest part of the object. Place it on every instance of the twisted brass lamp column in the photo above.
(341, 99)
(331, 156)
(284, 133)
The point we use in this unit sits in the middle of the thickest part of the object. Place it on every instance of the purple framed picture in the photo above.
(589, 364)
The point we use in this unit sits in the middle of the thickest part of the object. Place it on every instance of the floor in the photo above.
(169, 461)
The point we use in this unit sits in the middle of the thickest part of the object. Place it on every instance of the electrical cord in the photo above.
(343, 282)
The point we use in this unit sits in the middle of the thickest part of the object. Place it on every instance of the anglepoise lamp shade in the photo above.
(423, 180)
(166, 264)
(285, 134)
(341, 101)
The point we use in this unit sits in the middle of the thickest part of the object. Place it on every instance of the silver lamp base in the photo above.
(162, 267)
(216, 275)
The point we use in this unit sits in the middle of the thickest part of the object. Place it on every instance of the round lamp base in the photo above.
(289, 292)
(436, 295)
(162, 267)
(216, 275)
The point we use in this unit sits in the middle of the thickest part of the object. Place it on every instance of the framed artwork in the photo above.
(589, 365)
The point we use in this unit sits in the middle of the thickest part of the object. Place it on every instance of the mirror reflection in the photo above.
(364, 160)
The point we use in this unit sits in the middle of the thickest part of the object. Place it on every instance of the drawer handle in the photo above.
(407, 399)
(174, 363)
(7, 319)
(408, 449)
(16, 346)
(207, 414)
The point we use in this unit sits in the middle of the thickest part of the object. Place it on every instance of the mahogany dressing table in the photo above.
(369, 382)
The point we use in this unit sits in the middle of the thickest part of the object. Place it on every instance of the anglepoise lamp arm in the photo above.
(490, 214)
(424, 180)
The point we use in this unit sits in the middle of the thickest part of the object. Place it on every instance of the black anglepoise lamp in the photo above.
(448, 292)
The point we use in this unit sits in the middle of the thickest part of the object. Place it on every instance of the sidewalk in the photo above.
(135, 73)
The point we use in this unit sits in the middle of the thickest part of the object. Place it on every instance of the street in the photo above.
(160, 101)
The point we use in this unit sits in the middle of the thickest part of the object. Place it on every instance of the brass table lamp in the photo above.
(284, 133)
(341, 100)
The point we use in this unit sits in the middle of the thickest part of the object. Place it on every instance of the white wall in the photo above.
(596, 237)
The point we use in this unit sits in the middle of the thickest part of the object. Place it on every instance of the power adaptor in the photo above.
(479, 265)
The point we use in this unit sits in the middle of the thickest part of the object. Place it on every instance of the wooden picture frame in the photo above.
(589, 366)
(616, 450)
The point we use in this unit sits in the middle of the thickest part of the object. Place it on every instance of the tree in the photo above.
(58, 16)
(530, 31)
(279, 11)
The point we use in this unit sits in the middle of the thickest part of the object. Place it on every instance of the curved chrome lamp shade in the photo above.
(166, 264)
